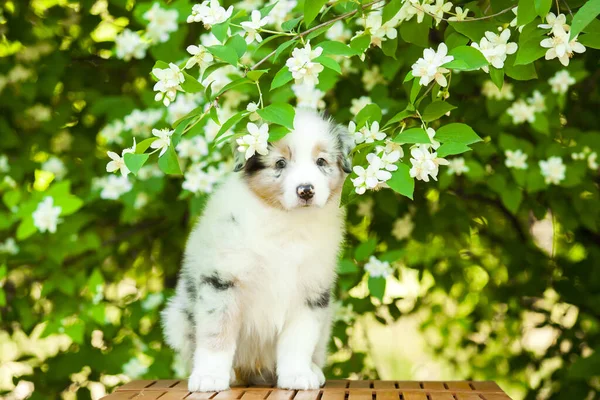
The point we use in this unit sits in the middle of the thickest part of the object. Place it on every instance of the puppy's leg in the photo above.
(295, 349)
(217, 330)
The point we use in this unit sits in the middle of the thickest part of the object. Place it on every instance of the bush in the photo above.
(475, 175)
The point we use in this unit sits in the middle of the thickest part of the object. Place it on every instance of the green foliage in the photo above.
(486, 254)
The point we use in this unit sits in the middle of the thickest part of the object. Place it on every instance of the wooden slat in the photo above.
(459, 385)
(165, 384)
(178, 395)
(255, 395)
(441, 396)
(362, 395)
(414, 396)
(336, 384)
(434, 385)
(467, 396)
(408, 385)
(360, 384)
(384, 385)
(234, 393)
(123, 395)
(487, 386)
(333, 394)
(281, 394)
(307, 395)
(137, 385)
(197, 395)
(495, 396)
(387, 395)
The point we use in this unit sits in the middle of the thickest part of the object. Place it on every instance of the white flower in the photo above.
(140, 123)
(424, 163)
(130, 45)
(194, 148)
(457, 166)
(4, 165)
(152, 301)
(19, 74)
(389, 159)
(255, 142)
(376, 268)
(169, 82)
(209, 39)
(553, 170)
(162, 23)
(253, 26)
(429, 67)
(302, 67)
(372, 77)
(537, 101)
(45, 217)
(591, 161)
(513, 22)
(309, 96)
(521, 112)
(559, 46)
(199, 56)
(56, 166)
(438, 9)
(515, 159)
(134, 368)
(219, 77)
(252, 108)
(39, 113)
(372, 176)
(280, 13)
(111, 133)
(359, 104)
(491, 91)
(434, 143)
(403, 227)
(198, 181)
(371, 134)
(164, 140)
(338, 32)
(460, 14)
(9, 247)
(209, 13)
(114, 187)
(118, 162)
(561, 81)
(178, 109)
(495, 48)
(380, 32)
(556, 23)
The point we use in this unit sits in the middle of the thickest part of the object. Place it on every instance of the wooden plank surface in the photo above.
(176, 389)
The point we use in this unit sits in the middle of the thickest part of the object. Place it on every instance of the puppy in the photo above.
(252, 303)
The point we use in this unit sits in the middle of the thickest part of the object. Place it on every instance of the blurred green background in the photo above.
(493, 273)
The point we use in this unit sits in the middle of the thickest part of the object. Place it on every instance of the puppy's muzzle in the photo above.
(306, 191)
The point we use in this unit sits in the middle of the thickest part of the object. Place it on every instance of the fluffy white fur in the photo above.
(252, 302)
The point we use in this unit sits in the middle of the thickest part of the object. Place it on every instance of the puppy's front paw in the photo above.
(201, 382)
(299, 381)
(319, 373)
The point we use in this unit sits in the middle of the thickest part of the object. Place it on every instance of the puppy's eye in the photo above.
(321, 162)
(280, 164)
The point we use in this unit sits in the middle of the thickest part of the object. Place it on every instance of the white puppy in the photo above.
(253, 299)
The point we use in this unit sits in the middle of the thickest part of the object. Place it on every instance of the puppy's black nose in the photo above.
(305, 192)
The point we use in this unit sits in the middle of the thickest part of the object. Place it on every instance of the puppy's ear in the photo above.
(345, 145)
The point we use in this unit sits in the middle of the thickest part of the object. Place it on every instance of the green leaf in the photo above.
(361, 43)
(497, 76)
(267, 9)
(239, 45)
(530, 49)
(402, 115)
(413, 136)
(474, 30)
(364, 250)
(370, 112)
(277, 133)
(466, 58)
(414, 91)
(210, 69)
(401, 182)
(436, 110)
(311, 10)
(519, 72)
(135, 161)
(168, 163)
(542, 7)
(450, 148)
(26, 228)
(256, 74)
(142, 146)
(416, 33)
(233, 84)
(291, 24)
(329, 63)
(526, 12)
(584, 16)
(347, 267)
(282, 77)
(591, 40)
(390, 10)
(283, 47)
(220, 31)
(409, 77)
(191, 84)
(389, 47)
(68, 204)
(337, 48)
(234, 119)
(225, 53)
(457, 133)
(511, 197)
(282, 114)
(586, 368)
(377, 287)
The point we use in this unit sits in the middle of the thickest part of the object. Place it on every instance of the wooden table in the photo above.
(333, 390)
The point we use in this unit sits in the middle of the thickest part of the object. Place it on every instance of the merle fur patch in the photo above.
(321, 301)
(217, 282)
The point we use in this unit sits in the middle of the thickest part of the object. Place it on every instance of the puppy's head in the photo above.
(306, 168)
